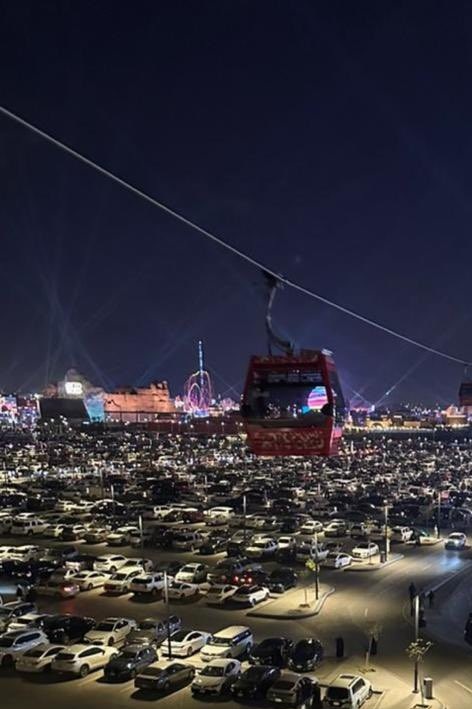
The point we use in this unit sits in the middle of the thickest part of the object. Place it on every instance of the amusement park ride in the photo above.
(293, 404)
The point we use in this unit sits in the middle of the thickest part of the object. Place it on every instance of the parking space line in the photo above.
(464, 686)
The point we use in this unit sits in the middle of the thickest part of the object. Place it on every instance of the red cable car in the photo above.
(292, 403)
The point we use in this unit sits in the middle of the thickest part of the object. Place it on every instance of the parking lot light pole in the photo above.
(386, 532)
(166, 599)
(244, 519)
(417, 635)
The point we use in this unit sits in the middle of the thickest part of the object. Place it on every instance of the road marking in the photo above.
(464, 686)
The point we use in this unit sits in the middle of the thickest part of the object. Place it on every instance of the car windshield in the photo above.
(337, 693)
(210, 671)
(105, 626)
(153, 671)
(254, 674)
(180, 635)
(128, 654)
(5, 611)
(119, 577)
(220, 641)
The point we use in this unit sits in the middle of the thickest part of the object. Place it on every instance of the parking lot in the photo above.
(314, 510)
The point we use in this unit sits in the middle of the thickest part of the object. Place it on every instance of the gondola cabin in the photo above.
(293, 405)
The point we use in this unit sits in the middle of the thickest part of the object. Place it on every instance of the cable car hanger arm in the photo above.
(273, 283)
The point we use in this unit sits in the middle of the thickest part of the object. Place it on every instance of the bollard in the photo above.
(339, 648)
(428, 688)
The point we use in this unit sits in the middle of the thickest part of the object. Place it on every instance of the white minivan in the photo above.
(219, 515)
(234, 641)
(348, 691)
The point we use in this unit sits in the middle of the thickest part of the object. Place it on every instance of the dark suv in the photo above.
(67, 628)
(129, 661)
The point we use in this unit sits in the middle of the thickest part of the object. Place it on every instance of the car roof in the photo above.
(230, 631)
(344, 680)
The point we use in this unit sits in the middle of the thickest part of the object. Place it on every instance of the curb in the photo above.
(365, 568)
(294, 615)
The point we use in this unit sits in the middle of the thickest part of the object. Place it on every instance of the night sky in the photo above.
(332, 140)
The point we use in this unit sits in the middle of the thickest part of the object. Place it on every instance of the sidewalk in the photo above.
(298, 603)
(390, 691)
(366, 565)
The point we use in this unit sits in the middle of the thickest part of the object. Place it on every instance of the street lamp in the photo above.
(166, 600)
(387, 544)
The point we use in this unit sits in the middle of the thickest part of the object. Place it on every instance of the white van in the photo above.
(234, 641)
(28, 527)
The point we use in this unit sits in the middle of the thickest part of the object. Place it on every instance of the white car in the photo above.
(216, 677)
(27, 552)
(401, 534)
(156, 511)
(80, 659)
(109, 562)
(7, 553)
(181, 590)
(122, 535)
(121, 581)
(9, 612)
(219, 594)
(312, 550)
(86, 580)
(145, 564)
(456, 541)
(364, 550)
(147, 583)
(250, 595)
(110, 631)
(15, 643)
(219, 515)
(186, 642)
(286, 542)
(192, 573)
(336, 528)
(38, 659)
(336, 560)
(29, 620)
(353, 690)
(311, 527)
(262, 548)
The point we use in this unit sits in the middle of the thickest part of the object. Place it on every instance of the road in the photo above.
(362, 600)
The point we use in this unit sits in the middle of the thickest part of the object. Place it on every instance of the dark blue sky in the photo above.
(332, 140)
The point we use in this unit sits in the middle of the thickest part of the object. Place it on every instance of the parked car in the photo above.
(271, 651)
(250, 595)
(337, 561)
(255, 682)
(160, 679)
(234, 641)
(81, 659)
(186, 642)
(122, 535)
(336, 528)
(67, 628)
(150, 583)
(181, 590)
(281, 579)
(122, 580)
(38, 659)
(14, 609)
(109, 563)
(110, 631)
(364, 550)
(152, 631)
(292, 689)
(129, 662)
(192, 573)
(401, 534)
(87, 580)
(350, 691)
(306, 655)
(15, 643)
(216, 678)
(218, 594)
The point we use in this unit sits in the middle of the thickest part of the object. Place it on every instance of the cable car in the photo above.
(465, 393)
(293, 404)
